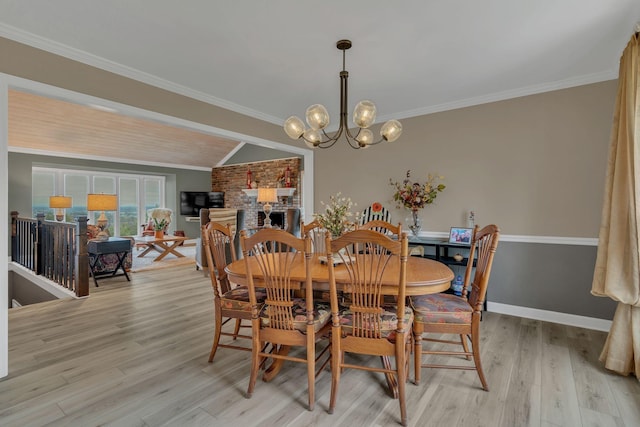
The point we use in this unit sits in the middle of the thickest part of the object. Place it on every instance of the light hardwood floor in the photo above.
(135, 354)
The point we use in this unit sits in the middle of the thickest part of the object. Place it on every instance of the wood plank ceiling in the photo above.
(50, 125)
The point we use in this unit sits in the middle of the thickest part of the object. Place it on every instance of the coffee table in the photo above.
(164, 246)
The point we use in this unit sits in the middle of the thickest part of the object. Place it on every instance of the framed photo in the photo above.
(461, 236)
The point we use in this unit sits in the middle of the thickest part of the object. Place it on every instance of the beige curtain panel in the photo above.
(617, 270)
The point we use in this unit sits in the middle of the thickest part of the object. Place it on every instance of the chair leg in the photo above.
(236, 329)
(218, 330)
(336, 359)
(475, 342)
(255, 359)
(465, 345)
(417, 357)
(401, 365)
(391, 378)
(311, 369)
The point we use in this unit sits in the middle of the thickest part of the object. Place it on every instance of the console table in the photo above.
(441, 250)
(115, 245)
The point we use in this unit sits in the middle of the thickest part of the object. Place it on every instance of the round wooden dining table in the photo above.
(424, 275)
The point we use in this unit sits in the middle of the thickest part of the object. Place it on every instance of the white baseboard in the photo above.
(550, 316)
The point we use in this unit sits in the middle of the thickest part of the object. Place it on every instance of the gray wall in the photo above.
(25, 291)
(19, 198)
(547, 277)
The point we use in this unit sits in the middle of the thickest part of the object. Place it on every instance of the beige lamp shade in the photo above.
(60, 202)
(267, 195)
(102, 202)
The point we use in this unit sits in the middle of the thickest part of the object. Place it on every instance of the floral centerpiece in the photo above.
(337, 217)
(414, 195)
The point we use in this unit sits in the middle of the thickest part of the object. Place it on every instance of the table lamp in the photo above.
(102, 202)
(267, 196)
(59, 203)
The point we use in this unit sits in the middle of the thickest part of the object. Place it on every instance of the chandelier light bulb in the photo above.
(365, 138)
(364, 115)
(391, 130)
(317, 117)
(294, 127)
(313, 136)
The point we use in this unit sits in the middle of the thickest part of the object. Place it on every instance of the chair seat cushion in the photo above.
(441, 308)
(238, 299)
(321, 314)
(389, 321)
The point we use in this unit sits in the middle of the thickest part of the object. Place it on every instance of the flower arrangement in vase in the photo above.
(415, 195)
(337, 216)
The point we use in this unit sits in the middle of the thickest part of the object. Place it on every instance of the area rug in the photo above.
(147, 262)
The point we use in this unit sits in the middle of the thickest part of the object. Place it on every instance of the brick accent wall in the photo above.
(233, 178)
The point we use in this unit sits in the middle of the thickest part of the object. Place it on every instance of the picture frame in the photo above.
(460, 235)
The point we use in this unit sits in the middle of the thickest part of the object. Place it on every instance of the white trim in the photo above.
(104, 64)
(104, 159)
(507, 94)
(42, 282)
(548, 240)
(231, 153)
(550, 316)
(4, 221)
(551, 240)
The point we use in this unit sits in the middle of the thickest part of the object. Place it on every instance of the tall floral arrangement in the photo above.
(337, 217)
(416, 195)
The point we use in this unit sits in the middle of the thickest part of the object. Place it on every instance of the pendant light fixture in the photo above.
(364, 115)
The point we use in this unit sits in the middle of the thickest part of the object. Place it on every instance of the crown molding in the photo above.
(51, 46)
(508, 94)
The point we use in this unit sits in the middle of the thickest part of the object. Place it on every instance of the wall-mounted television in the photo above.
(192, 201)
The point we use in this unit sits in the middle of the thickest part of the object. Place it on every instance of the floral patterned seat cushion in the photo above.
(237, 299)
(321, 314)
(389, 320)
(441, 308)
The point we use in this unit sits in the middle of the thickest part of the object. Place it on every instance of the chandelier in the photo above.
(364, 115)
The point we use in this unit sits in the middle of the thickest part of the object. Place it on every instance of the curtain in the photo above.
(617, 270)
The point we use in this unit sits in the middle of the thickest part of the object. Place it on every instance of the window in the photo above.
(136, 194)
(43, 186)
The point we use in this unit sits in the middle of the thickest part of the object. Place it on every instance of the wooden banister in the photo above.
(55, 250)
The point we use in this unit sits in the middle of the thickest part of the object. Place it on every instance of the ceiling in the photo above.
(36, 124)
(273, 59)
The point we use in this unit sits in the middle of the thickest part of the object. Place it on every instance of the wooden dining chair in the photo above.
(316, 233)
(272, 257)
(229, 302)
(363, 323)
(383, 227)
(446, 313)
